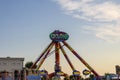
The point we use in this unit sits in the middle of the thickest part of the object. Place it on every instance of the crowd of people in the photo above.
(4, 75)
(36, 75)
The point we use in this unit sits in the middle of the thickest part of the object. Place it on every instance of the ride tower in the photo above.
(58, 38)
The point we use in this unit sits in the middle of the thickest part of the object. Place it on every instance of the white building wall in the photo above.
(11, 64)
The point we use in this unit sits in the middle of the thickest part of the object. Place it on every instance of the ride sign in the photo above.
(43, 72)
(60, 73)
(86, 72)
(59, 36)
(76, 73)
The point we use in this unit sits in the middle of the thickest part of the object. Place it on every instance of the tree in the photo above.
(29, 64)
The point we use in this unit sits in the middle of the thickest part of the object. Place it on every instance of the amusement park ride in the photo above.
(58, 38)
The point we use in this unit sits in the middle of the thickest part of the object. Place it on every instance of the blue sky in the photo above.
(93, 27)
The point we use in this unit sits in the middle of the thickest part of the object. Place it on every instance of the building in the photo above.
(117, 69)
(11, 64)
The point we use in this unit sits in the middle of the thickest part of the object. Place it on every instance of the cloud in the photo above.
(91, 10)
(109, 33)
(102, 11)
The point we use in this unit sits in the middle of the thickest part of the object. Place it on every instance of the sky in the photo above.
(93, 27)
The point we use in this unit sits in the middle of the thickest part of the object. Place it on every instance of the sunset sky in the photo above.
(93, 27)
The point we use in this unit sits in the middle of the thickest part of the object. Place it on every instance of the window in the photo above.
(18, 63)
(4, 63)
